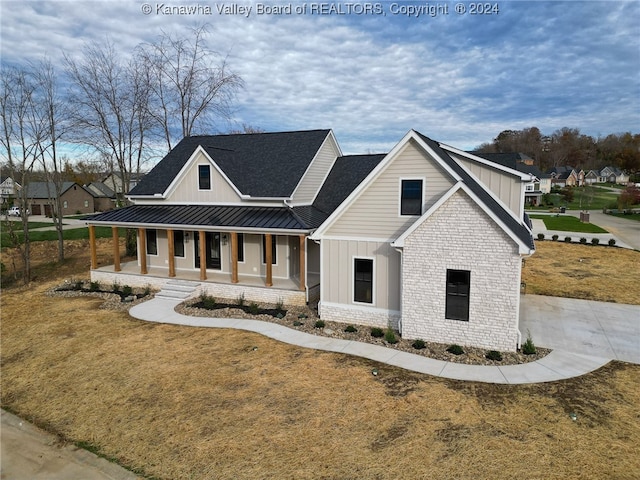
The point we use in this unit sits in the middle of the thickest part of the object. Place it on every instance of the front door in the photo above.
(212, 251)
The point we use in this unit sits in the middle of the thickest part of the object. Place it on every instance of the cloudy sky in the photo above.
(373, 74)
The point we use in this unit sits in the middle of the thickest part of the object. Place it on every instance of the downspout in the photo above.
(522, 258)
(399, 250)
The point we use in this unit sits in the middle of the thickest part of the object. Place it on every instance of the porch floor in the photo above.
(213, 276)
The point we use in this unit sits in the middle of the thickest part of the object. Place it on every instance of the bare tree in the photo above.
(21, 136)
(190, 86)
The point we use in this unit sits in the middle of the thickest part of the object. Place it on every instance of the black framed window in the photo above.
(457, 307)
(204, 177)
(178, 243)
(273, 249)
(363, 280)
(411, 197)
(152, 242)
(240, 237)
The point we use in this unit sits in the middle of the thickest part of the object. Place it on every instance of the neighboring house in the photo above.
(115, 182)
(613, 175)
(8, 190)
(104, 198)
(74, 198)
(563, 176)
(427, 239)
(591, 177)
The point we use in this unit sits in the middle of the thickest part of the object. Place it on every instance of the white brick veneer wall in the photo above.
(460, 236)
(360, 315)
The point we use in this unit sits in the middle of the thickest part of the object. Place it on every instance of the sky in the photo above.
(458, 72)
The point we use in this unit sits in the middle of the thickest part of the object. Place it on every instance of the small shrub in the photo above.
(253, 308)
(115, 288)
(240, 300)
(390, 336)
(94, 286)
(455, 349)
(280, 304)
(147, 291)
(528, 348)
(350, 329)
(567, 239)
(541, 236)
(302, 315)
(595, 241)
(583, 240)
(319, 324)
(554, 237)
(127, 291)
(612, 242)
(207, 301)
(77, 285)
(297, 323)
(377, 332)
(419, 344)
(494, 355)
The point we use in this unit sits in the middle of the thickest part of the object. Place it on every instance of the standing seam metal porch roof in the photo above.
(268, 218)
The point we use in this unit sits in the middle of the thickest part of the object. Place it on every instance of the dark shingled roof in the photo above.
(519, 229)
(258, 164)
(204, 216)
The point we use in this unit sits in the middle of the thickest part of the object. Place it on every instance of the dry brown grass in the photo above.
(583, 271)
(178, 402)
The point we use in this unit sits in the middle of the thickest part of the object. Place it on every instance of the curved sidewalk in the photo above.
(557, 365)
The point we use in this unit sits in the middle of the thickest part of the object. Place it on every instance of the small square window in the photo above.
(457, 306)
(411, 197)
(204, 177)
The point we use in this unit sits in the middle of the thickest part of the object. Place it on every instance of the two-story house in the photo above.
(427, 239)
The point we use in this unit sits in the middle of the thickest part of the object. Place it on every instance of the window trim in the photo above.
(200, 189)
(422, 195)
(447, 295)
(274, 249)
(353, 280)
(184, 248)
(147, 242)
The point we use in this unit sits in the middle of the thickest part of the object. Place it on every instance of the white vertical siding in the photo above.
(319, 168)
(376, 212)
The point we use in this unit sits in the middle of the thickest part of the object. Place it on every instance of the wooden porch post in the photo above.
(203, 255)
(92, 246)
(116, 249)
(303, 254)
(142, 254)
(172, 253)
(234, 257)
(268, 259)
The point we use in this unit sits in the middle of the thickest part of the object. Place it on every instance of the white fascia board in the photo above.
(329, 138)
(474, 158)
(522, 248)
(188, 164)
(381, 167)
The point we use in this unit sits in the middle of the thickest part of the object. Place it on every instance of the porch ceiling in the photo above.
(209, 216)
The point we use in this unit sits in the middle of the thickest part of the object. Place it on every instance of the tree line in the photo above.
(567, 146)
(122, 109)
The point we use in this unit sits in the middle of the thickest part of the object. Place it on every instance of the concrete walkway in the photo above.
(569, 360)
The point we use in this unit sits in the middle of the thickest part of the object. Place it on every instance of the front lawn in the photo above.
(567, 223)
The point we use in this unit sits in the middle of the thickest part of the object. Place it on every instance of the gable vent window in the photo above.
(411, 197)
(457, 307)
(204, 177)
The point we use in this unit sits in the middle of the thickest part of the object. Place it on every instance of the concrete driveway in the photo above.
(599, 329)
(626, 230)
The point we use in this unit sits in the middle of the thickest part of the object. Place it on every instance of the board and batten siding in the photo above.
(187, 190)
(506, 187)
(376, 211)
(337, 272)
(315, 175)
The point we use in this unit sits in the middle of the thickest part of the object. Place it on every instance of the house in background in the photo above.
(9, 190)
(75, 198)
(104, 198)
(611, 174)
(427, 239)
(116, 183)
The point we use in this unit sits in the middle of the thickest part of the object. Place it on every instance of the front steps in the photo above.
(178, 289)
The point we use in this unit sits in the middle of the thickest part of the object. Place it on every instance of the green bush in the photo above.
(567, 239)
(455, 349)
(595, 241)
(390, 336)
(297, 323)
(583, 240)
(528, 348)
(280, 304)
(350, 329)
(494, 355)
(127, 291)
(419, 344)
(115, 288)
(319, 324)
(377, 332)
(253, 308)
(554, 237)
(612, 242)
(240, 300)
(207, 301)
(541, 236)
(94, 286)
